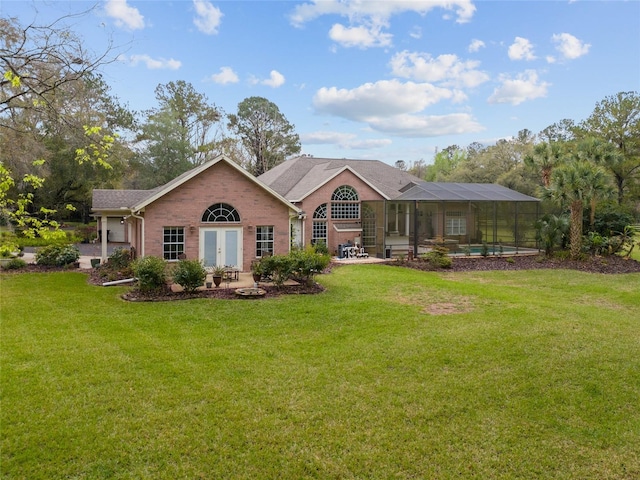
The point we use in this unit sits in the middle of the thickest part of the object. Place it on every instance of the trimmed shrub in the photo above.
(307, 263)
(189, 274)
(15, 264)
(278, 267)
(150, 272)
(57, 255)
(438, 257)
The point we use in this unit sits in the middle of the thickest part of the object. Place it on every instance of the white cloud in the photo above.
(275, 80)
(367, 19)
(427, 125)
(348, 141)
(208, 17)
(569, 46)
(124, 15)
(447, 69)
(363, 37)
(226, 75)
(475, 45)
(383, 98)
(521, 49)
(416, 32)
(153, 63)
(526, 86)
(392, 106)
(358, 9)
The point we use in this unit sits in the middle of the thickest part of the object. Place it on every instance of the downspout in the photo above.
(142, 230)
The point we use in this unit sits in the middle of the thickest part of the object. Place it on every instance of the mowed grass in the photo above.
(390, 373)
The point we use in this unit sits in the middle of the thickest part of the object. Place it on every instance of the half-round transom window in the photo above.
(321, 211)
(221, 212)
(345, 193)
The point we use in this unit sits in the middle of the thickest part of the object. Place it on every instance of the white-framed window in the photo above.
(220, 213)
(172, 243)
(455, 223)
(345, 203)
(319, 227)
(264, 240)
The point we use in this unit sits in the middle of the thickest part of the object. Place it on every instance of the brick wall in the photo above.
(323, 195)
(185, 205)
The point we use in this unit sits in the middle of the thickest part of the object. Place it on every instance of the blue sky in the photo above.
(385, 80)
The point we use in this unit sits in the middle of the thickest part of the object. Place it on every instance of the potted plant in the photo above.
(257, 270)
(216, 274)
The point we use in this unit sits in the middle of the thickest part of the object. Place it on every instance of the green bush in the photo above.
(321, 247)
(15, 264)
(150, 272)
(307, 263)
(278, 267)
(120, 259)
(189, 274)
(57, 255)
(438, 257)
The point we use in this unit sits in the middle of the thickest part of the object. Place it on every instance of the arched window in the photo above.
(319, 228)
(321, 211)
(345, 203)
(221, 213)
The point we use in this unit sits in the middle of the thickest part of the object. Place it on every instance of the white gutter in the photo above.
(142, 229)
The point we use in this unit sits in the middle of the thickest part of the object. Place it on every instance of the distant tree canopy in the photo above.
(265, 133)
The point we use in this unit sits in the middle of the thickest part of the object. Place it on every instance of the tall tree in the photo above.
(616, 120)
(36, 61)
(445, 162)
(177, 135)
(572, 184)
(42, 68)
(544, 158)
(265, 133)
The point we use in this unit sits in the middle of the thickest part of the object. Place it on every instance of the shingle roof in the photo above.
(116, 199)
(298, 177)
(440, 191)
(137, 199)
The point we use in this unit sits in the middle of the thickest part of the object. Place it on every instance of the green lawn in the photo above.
(389, 373)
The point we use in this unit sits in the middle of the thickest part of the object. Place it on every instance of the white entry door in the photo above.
(221, 246)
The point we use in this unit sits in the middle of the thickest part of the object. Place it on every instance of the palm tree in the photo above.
(545, 157)
(599, 153)
(572, 185)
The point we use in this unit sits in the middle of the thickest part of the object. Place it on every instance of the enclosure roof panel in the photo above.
(452, 192)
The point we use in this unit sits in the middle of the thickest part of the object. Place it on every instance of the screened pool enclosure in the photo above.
(460, 216)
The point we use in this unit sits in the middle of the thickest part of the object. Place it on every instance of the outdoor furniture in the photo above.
(362, 254)
(231, 274)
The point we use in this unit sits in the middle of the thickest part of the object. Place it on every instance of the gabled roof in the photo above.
(298, 177)
(136, 200)
(439, 191)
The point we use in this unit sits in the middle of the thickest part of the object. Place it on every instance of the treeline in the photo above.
(609, 139)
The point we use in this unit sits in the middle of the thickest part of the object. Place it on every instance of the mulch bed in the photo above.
(611, 265)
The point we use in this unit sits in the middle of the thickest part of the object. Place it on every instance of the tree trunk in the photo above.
(576, 229)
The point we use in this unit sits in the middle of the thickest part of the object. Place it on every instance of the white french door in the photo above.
(221, 246)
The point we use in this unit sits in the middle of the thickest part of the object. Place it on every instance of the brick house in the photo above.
(223, 215)
(217, 212)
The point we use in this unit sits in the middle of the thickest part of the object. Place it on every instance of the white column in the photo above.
(407, 218)
(103, 226)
